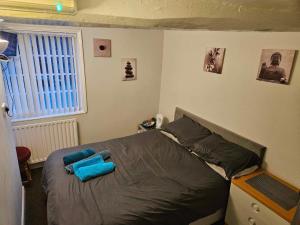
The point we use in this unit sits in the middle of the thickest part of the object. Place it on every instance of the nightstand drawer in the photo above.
(243, 209)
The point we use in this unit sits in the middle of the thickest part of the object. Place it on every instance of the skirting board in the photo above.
(23, 206)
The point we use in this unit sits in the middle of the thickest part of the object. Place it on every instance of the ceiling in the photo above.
(258, 15)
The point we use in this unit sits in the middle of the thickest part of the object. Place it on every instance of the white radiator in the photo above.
(44, 138)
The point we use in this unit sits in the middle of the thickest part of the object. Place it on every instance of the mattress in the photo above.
(156, 181)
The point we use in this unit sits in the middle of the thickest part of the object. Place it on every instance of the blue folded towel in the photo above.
(84, 162)
(76, 156)
(105, 154)
(88, 172)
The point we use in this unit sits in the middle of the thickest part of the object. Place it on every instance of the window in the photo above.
(45, 78)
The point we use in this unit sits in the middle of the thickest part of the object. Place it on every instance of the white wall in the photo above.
(116, 107)
(264, 112)
(10, 180)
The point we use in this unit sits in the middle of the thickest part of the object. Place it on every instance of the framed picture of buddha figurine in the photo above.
(276, 65)
(128, 68)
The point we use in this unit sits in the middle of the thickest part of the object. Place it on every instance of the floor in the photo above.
(36, 212)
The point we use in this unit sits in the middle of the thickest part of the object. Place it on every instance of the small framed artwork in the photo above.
(102, 48)
(214, 59)
(276, 65)
(128, 68)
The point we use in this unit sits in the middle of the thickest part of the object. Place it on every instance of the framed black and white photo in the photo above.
(128, 68)
(214, 59)
(276, 65)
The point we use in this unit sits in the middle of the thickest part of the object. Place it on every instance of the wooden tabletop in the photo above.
(241, 183)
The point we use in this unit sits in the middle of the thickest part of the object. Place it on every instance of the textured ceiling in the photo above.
(262, 15)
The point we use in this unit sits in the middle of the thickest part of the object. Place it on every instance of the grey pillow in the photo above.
(187, 131)
(231, 157)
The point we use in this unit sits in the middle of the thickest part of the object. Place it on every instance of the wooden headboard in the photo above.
(227, 134)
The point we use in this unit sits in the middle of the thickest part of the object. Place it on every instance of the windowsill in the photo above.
(49, 116)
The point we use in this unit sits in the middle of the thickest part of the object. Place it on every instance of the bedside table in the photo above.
(142, 129)
(249, 206)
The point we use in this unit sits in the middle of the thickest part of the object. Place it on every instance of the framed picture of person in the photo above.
(213, 61)
(276, 65)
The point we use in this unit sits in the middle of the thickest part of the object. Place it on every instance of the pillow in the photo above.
(222, 173)
(187, 131)
(171, 136)
(231, 157)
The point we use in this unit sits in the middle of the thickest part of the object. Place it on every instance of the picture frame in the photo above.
(128, 68)
(102, 47)
(276, 65)
(214, 59)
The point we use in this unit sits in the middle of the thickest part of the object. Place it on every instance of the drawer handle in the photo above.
(251, 221)
(255, 207)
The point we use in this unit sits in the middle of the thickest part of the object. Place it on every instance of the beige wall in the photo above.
(115, 107)
(264, 112)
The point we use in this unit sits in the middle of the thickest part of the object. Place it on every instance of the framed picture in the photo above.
(102, 48)
(213, 61)
(128, 68)
(276, 65)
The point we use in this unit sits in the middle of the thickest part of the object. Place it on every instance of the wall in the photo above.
(10, 181)
(264, 112)
(116, 107)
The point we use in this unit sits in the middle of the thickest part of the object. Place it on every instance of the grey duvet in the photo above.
(156, 181)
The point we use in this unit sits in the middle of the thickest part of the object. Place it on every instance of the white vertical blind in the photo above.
(42, 79)
(61, 70)
(31, 74)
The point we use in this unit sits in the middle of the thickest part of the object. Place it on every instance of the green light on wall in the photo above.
(59, 7)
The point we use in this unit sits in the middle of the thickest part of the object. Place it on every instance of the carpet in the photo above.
(36, 209)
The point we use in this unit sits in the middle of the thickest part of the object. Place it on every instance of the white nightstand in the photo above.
(248, 206)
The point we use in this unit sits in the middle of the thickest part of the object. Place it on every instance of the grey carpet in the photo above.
(35, 211)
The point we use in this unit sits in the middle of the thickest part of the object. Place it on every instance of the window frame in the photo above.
(60, 30)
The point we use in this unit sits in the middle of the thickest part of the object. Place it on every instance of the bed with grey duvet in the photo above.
(156, 181)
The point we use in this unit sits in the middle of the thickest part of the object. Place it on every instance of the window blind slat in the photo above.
(56, 74)
(38, 74)
(72, 65)
(21, 87)
(26, 75)
(44, 73)
(7, 83)
(50, 73)
(67, 74)
(15, 89)
(9, 80)
(61, 70)
(32, 75)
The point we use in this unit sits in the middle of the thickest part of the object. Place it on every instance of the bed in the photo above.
(156, 181)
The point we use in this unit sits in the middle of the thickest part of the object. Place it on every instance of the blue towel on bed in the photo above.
(88, 172)
(105, 154)
(97, 158)
(76, 156)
